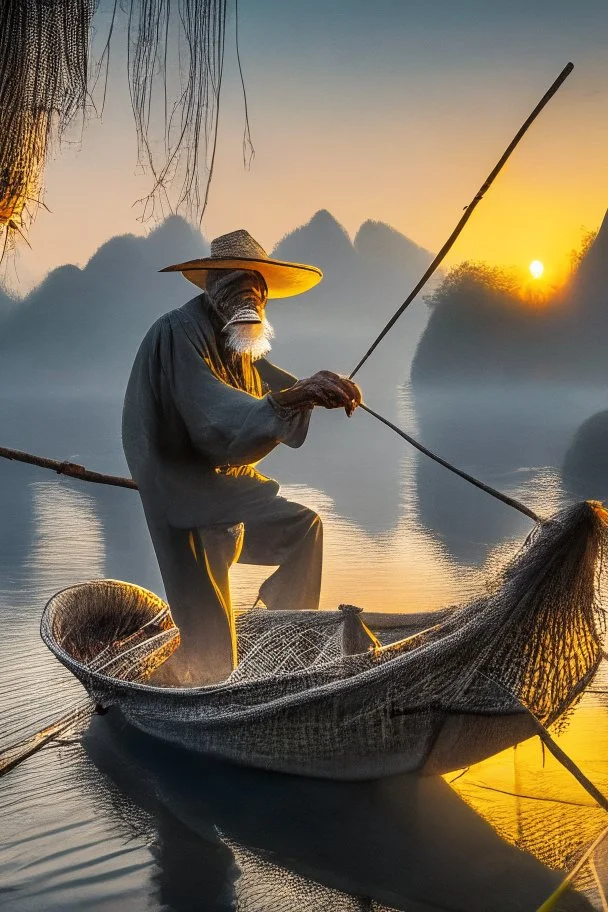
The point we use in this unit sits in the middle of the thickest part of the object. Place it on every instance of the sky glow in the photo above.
(387, 111)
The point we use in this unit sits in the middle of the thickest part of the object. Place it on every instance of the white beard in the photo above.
(250, 338)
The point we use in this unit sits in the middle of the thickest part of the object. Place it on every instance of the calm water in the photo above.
(116, 821)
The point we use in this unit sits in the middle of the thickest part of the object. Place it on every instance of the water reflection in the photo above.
(533, 802)
(69, 540)
(401, 535)
(515, 440)
(389, 571)
(61, 542)
(404, 843)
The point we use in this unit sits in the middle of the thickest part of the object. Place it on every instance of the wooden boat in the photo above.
(322, 694)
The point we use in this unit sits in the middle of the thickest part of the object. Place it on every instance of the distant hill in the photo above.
(591, 277)
(481, 330)
(364, 283)
(321, 241)
(585, 467)
(79, 330)
(387, 253)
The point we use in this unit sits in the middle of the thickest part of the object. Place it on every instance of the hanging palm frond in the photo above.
(175, 60)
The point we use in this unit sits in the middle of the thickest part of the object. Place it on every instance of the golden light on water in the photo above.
(536, 269)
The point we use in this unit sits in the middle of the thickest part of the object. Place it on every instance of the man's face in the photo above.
(234, 290)
(239, 297)
(254, 292)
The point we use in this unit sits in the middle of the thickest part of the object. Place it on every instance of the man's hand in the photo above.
(324, 388)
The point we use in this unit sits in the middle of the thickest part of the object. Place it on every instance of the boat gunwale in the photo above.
(268, 706)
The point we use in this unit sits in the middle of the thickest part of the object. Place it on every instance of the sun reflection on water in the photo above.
(534, 803)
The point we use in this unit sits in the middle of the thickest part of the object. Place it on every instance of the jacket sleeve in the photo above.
(227, 426)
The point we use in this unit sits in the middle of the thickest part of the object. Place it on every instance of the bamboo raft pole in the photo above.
(71, 469)
(468, 212)
(74, 470)
(509, 501)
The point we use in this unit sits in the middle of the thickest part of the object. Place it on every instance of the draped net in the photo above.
(533, 639)
(48, 78)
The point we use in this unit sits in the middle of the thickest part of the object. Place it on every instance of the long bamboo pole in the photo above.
(468, 212)
(71, 469)
(509, 501)
(560, 755)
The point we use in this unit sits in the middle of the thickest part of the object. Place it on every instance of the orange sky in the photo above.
(404, 133)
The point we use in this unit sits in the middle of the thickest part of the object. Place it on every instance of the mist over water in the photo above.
(122, 822)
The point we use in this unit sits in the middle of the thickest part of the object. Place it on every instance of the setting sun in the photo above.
(536, 268)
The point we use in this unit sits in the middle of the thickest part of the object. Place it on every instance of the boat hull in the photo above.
(345, 716)
(427, 743)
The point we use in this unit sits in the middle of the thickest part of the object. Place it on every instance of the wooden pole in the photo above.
(569, 764)
(509, 501)
(560, 755)
(72, 469)
(15, 754)
(468, 211)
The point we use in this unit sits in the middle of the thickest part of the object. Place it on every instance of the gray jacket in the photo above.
(193, 426)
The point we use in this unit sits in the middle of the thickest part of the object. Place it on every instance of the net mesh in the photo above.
(298, 701)
(43, 83)
(277, 643)
(175, 59)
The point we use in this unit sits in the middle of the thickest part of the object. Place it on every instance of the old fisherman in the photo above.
(202, 407)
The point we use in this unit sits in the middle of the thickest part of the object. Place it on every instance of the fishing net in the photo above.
(43, 84)
(459, 690)
(269, 645)
(175, 58)
(126, 634)
(176, 65)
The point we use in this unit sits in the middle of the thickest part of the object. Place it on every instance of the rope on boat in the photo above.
(468, 211)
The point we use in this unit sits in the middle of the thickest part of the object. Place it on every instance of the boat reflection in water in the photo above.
(228, 838)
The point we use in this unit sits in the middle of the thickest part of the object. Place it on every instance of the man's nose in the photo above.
(260, 303)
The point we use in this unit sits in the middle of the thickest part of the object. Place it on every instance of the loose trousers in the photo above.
(195, 566)
(288, 534)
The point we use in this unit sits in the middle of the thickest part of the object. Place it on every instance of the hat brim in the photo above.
(282, 279)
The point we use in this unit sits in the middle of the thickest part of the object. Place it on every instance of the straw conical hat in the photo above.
(238, 250)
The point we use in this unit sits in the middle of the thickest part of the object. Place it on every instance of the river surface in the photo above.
(112, 820)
